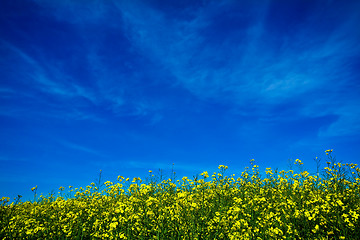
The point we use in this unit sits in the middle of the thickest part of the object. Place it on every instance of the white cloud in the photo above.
(81, 148)
(76, 12)
(37, 76)
(164, 165)
(253, 71)
(348, 123)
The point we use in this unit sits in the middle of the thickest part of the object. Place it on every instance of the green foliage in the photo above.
(282, 205)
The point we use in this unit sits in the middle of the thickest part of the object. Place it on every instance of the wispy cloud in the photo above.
(164, 165)
(245, 65)
(264, 68)
(35, 77)
(348, 123)
(75, 12)
(81, 148)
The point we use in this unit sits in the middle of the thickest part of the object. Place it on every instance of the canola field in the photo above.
(273, 205)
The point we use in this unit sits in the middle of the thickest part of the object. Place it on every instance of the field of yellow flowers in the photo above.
(280, 205)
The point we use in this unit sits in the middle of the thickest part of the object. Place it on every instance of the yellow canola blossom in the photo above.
(284, 205)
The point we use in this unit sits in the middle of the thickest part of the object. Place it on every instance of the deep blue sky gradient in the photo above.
(132, 86)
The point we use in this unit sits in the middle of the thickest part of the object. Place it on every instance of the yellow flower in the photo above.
(305, 173)
(298, 161)
(340, 202)
(113, 225)
(205, 174)
(316, 229)
(122, 236)
(108, 183)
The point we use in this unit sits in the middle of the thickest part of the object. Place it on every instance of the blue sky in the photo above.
(132, 86)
